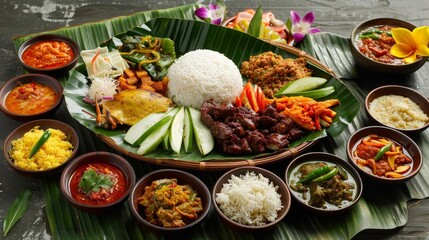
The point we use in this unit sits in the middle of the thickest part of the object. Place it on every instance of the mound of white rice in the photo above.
(249, 199)
(202, 75)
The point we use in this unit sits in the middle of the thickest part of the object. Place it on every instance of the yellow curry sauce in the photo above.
(30, 98)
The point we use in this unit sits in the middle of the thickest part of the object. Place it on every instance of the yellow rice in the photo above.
(53, 152)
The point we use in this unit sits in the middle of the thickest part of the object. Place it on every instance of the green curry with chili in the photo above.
(323, 185)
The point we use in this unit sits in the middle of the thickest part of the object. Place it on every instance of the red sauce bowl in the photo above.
(371, 65)
(52, 70)
(25, 79)
(72, 175)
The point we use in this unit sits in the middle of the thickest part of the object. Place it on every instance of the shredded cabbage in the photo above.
(102, 88)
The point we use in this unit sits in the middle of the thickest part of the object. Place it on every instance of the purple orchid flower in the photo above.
(213, 14)
(301, 27)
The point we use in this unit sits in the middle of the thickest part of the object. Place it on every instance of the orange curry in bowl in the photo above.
(31, 98)
(98, 183)
(382, 157)
(376, 42)
(48, 54)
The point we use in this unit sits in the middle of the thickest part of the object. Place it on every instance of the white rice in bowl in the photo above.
(201, 75)
(249, 199)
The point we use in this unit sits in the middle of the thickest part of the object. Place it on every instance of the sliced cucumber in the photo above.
(166, 142)
(302, 84)
(315, 94)
(139, 131)
(142, 128)
(155, 138)
(203, 136)
(176, 130)
(188, 133)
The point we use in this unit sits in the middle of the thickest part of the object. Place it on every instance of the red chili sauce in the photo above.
(394, 162)
(48, 54)
(376, 42)
(103, 195)
(30, 98)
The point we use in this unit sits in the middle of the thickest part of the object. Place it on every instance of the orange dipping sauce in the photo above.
(30, 98)
(48, 54)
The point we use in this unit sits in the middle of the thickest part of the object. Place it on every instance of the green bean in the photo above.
(382, 151)
(327, 176)
(40, 142)
(315, 173)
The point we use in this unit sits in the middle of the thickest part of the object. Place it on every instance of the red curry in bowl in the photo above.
(382, 157)
(48, 54)
(98, 183)
(376, 42)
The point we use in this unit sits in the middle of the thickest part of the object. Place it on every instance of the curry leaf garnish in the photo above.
(93, 182)
(17, 210)
(255, 24)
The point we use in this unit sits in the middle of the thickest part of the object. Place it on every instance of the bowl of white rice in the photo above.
(201, 75)
(398, 107)
(251, 199)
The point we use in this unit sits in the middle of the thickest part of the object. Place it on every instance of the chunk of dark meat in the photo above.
(240, 147)
(283, 126)
(237, 128)
(271, 111)
(221, 131)
(276, 141)
(295, 133)
(247, 117)
(266, 122)
(256, 141)
(218, 112)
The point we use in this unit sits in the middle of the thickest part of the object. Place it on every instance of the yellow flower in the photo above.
(409, 44)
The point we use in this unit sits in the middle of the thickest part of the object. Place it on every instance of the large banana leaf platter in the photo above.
(189, 35)
(380, 207)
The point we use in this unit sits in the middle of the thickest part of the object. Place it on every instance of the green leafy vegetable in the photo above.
(93, 182)
(17, 210)
(255, 24)
(143, 51)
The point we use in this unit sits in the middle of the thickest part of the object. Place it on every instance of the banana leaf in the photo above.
(381, 207)
(189, 35)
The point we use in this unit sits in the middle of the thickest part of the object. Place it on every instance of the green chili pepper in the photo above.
(388, 33)
(372, 36)
(327, 176)
(316, 173)
(40, 142)
(342, 172)
(382, 151)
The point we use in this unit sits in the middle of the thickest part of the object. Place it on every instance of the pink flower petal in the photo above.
(295, 17)
(298, 37)
(314, 30)
(309, 17)
(213, 6)
(217, 21)
(202, 13)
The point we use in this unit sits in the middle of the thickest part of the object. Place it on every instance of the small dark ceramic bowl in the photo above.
(43, 124)
(409, 145)
(330, 159)
(58, 71)
(378, 67)
(273, 178)
(410, 93)
(97, 157)
(30, 78)
(183, 178)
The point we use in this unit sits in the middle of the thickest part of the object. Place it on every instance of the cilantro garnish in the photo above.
(93, 182)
